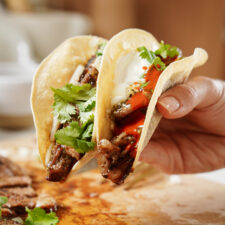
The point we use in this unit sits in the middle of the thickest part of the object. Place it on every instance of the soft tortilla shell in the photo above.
(54, 72)
(176, 72)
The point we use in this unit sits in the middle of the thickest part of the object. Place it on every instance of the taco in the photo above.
(136, 70)
(63, 103)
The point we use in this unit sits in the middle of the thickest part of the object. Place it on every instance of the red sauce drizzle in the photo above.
(138, 100)
(139, 103)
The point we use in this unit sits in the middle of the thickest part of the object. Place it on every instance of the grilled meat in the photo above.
(16, 185)
(91, 76)
(9, 222)
(123, 139)
(122, 111)
(90, 73)
(62, 161)
(115, 162)
(9, 169)
(63, 158)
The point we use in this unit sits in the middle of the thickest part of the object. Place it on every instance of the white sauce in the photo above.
(128, 70)
(55, 123)
(74, 80)
(55, 126)
(76, 75)
(97, 62)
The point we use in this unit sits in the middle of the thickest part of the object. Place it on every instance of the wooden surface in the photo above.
(186, 24)
(147, 198)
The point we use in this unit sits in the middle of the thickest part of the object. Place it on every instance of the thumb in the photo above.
(198, 93)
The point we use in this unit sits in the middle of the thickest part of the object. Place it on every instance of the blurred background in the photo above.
(31, 29)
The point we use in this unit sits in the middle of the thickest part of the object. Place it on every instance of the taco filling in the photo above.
(136, 76)
(73, 110)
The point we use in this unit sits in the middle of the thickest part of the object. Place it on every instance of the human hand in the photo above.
(191, 136)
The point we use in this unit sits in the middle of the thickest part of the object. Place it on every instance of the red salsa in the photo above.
(133, 123)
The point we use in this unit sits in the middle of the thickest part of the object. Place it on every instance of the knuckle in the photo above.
(210, 83)
(213, 86)
(202, 79)
(187, 92)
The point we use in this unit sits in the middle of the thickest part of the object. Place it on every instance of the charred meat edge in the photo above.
(16, 185)
(62, 157)
(114, 161)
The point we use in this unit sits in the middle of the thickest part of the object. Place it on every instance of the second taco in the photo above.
(136, 70)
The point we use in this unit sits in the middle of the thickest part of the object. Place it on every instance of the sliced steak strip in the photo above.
(16, 181)
(90, 73)
(122, 111)
(8, 212)
(45, 201)
(9, 222)
(60, 164)
(25, 191)
(18, 203)
(123, 139)
(72, 152)
(107, 156)
(19, 192)
(115, 164)
(90, 76)
(8, 168)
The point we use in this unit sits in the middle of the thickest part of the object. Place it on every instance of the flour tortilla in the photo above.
(54, 72)
(176, 73)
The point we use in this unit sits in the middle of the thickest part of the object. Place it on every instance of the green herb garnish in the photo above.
(88, 105)
(86, 117)
(69, 100)
(152, 58)
(3, 200)
(62, 109)
(144, 84)
(66, 97)
(166, 50)
(38, 216)
(100, 49)
(76, 137)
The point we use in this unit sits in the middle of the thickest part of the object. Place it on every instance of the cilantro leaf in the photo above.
(38, 216)
(72, 136)
(62, 109)
(159, 62)
(86, 117)
(83, 146)
(166, 50)
(144, 84)
(146, 54)
(100, 49)
(88, 132)
(74, 94)
(152, 58)
(75, 135)
(3, 200)
(88, 105)
(73, 130)
(70, 94)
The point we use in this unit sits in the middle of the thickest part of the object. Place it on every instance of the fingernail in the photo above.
(170, 103)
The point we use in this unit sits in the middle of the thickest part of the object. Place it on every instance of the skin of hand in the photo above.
(191, 136)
